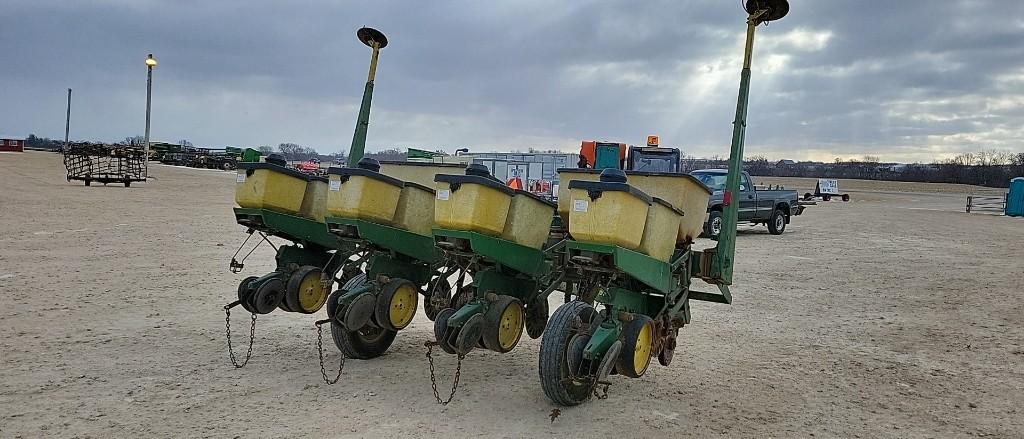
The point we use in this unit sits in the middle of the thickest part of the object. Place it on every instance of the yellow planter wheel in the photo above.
(503, 324)
(638, 342)
(396, 304)
(306, 293)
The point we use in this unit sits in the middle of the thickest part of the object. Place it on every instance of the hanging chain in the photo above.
(433, 379)
(227, 330)
(320, 349)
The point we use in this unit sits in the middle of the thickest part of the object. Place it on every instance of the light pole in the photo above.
(67, 121)
(150, 63)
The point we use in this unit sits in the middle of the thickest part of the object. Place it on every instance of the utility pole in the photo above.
(67, 121)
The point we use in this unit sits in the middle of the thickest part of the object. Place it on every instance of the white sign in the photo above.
(828, 186)
(444, 194)
(580, 205)
(240, 178)
(334, 185)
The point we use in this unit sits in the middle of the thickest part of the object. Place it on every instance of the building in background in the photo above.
(12, 144)
(535, 171)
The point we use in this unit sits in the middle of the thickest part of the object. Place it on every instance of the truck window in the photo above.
(745, 184)
(714, 181)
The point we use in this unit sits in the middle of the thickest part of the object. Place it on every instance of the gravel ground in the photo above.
(894, 315)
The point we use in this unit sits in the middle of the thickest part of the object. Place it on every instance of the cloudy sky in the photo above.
(907, 80)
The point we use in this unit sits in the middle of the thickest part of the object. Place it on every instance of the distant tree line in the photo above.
(985, 168)
(34, 142)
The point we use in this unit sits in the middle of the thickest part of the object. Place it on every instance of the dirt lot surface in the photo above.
(894, 315)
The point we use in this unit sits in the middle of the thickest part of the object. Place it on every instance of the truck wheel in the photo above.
(777, 222)
(826, 197)
(713, 227)
(846, 197)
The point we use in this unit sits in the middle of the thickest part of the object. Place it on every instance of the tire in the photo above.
(296, 291)
(637, 344)
(777, 222)
(503, 324)
(713, 228)
(365, 343)
(243, 293)
(441, 329)
(846, 197)
(826, 197)
(268, 296)
(396, 304)
(332, 300)
(553, 364)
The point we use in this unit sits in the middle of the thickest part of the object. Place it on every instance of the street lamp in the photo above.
(150, 63)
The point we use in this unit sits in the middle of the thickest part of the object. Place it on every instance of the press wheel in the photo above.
(441, 332)
(332, 300)
(244, 293)
(637, 343)
(306, 293)
(396, 304)
(503, 324)
(364, 343)
(558, 351)
(468, 335)
(267, 296)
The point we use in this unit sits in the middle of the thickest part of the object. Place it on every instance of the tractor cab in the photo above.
(650, 158)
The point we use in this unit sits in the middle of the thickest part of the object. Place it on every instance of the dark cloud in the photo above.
(907, 80)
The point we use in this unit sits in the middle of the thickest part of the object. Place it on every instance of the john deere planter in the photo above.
(275, 200)
(387, 221)
(278, 201)
(495, 235)
(639, 299)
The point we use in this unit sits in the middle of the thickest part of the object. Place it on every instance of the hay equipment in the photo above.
(103, 163)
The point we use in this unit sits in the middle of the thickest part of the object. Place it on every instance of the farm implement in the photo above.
(101, 163)
(486, 257)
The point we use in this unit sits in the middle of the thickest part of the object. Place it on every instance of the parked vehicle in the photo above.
(769, 206)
